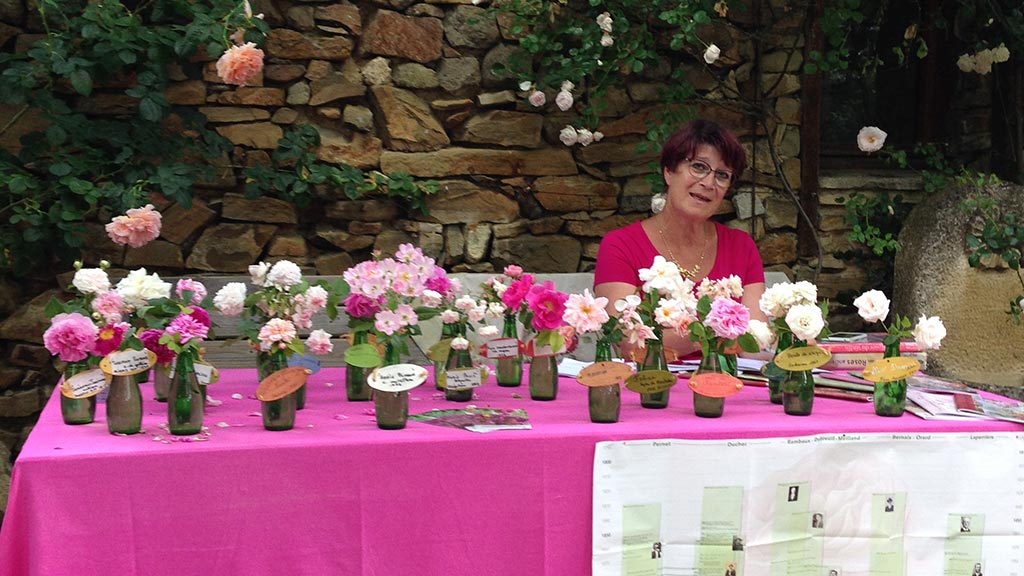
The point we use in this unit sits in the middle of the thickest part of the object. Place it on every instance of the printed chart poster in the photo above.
(825, 505)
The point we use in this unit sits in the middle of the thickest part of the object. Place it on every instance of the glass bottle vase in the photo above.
(890, 398)
(184, 398)
(458, 359)
(509, 371)
(798, 393)
(161, 381)
(76, 411)
(356, 388)
(391, 408)
(277, 414)
(775, 374)
(708, 406)
(124, 405)
(544, 377)
(654, 360)
(604, 401)
(448, 332)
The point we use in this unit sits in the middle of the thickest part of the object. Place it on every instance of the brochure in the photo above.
(476, 419)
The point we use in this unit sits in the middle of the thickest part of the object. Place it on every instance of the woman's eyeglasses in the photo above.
(700, 169)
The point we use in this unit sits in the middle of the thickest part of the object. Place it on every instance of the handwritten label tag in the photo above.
(715, 385)
(397, 378)
(805, 358)
(205, 373)
(462, 379)
(128, 362)
(84, 384)
(604, 374)
(281, 383)
(499, 348)
(891, 369)
(305, 361)
(651, 381)
(542, 351)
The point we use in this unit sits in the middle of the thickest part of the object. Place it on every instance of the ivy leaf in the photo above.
(81, 81)
(150, 110)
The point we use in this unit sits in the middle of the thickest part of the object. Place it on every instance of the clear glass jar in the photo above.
(654, 360)
(185, 399)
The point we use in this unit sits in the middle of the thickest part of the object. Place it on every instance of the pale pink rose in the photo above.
(319, 342)
(487, 331)
(870, 139)
(449, 316)
(728, 318)
(109, 305)
(460, 343)
(70, 337)
(276, 333)
(240, 64)
(564, 100)
(585, 313)
(387, 322)
(537, 98)
(136, 227)
(189, 285)
(513, 271)
(316, 298)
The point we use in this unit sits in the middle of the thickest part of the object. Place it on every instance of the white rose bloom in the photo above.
(460, 343)
(477, 313)
(1000, 54)
(712, 54)
(657, 203)
(607, 40)
(598, 136)
(137, 288)
(604, 21)
(663, 276)
(584, 137)
(91, 281)
(870, 139)
(431, 298)
(966, 63)
(284, 274)
(230, 300)
(568, 136)
(872, 306)
(465, 303)
(496, 310)
(499, 288)
(804, 292)
(983, 61)
(525, 85)
(449, 316)
(762, 333)
(631, 301)
(153, 287)
(929, 332)
(734, 286)
(564, 100)
(805, 321)
(567, 86)
(488, 331)
(258, 273)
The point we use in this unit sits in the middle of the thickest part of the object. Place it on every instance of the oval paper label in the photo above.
(805, 358)
(651, 381)
(891, 369)
(281, 383)
(84, 384)
(715, 385)
(604, 374)
(397, 378)
(128, 362)
(502, 348)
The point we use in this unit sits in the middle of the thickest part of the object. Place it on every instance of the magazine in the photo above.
(476, 419)
(952, 406)
(936, 384)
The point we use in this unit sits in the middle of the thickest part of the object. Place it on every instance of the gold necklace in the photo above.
(686, 272)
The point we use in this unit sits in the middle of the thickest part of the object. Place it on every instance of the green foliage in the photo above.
(996, 234)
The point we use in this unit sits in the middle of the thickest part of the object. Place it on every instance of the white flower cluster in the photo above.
(138, 288)
(91, 281)
(873, 306)
(571, 136)
(797, 304)
(729, 287)
(981, 62)
(604, 22)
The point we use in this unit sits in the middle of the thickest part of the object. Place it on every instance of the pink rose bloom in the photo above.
(513, 271)
(199, 315)
(276, 333)
(537, 98)
(109, 304)
(70, 337)
(188, 328)
(136, 228)
(387, 322)
(151, 340)
(359, 306)
(319, 342)
(728, 318)
(239, 64)
(513, 296)
(196, 288)
(440, 282)
(585, 313)
(547, 305)
(110, 338)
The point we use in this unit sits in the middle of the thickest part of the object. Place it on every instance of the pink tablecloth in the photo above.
(336, 495)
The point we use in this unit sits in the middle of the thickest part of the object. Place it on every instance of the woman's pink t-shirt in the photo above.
(623, 252)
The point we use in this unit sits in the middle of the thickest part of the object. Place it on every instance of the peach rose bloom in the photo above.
(239, 64)
(136, 228)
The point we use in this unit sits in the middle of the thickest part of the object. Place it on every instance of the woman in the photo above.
(699, 163)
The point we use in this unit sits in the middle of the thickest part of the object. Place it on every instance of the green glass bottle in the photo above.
(604, 401)
(708, 406)
(356, 388)
(184, 398)
(890, 398)
(458, 359)
(392, 408)
(509, 371)
(76, 411)
(448, 331)
(654, 360)
(277, 414)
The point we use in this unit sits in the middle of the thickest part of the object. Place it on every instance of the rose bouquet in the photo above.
(586, 314)
(775, 303)
(281, 305)
(890, 397)
(458, 319)
(506, 294)
(543, 312)
(798, 320)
